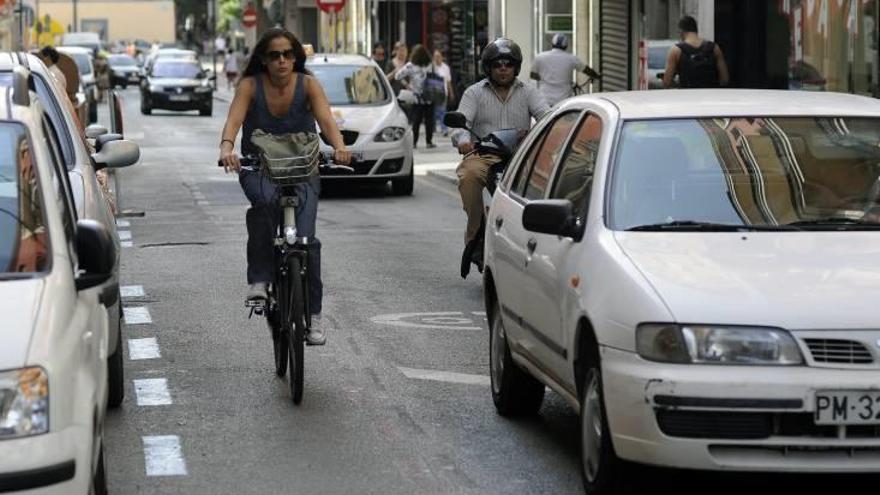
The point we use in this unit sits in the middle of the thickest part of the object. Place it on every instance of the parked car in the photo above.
(373, 125)
(84, 39)
(694, 272)
(124, 70)
(658, 50)
(84, 61)
(88, 200)
(177, 85)
(53, 383)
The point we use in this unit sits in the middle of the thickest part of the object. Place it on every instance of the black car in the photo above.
(177, 85)
(124, 70)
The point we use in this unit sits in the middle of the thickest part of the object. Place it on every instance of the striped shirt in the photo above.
(485, 112)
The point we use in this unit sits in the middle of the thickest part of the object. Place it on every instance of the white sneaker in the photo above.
(316, 332)
(258, 291)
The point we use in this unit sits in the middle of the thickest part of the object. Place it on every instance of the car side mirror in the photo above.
(95, 130)
(455, 120)
(100, 141)
(550, 216)
(117, 154)
(96, 254)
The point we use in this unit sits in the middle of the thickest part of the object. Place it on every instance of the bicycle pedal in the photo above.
(255, 303)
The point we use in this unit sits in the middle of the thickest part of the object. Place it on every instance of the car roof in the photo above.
(75, 49)
(338, 59)
(683, 103)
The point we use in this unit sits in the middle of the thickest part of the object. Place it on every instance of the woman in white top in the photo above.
(443, 70)
(414, 73)
(230, 67)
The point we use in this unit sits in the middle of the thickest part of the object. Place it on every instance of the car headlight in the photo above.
(390, 134)
(710, 344)
(24, 402)
(203, 89)
(155, 89)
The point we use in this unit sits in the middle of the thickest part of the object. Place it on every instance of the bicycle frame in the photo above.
(288, 244)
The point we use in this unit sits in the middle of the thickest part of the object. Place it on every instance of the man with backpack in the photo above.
(699, 63)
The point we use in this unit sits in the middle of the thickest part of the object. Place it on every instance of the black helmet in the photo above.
(498, 49)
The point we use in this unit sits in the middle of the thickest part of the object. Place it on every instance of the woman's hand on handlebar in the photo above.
(342, 156)
(229, 160)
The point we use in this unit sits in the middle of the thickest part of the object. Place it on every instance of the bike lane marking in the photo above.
(442, 320)
(444, 376)
(139, 349)
(127, 291)
(164, 456)
(137, 315)
(152, 392)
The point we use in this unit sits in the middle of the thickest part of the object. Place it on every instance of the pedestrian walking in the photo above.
(230, 68)
(553, 70)
(414, 73)
(442, 69)
(379, 56)
(698, 63)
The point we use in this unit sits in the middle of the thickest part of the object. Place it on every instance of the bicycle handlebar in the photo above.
(326, 162)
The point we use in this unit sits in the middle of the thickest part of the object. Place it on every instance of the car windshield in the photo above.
(23, 236)
(177, 70)
(122, 61)
(83, 62)
(351, 84)
(818, 171)
(657, 57)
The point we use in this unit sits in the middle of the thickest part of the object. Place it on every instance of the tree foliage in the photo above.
(229, 11)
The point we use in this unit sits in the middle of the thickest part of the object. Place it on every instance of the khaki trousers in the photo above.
(473, 172)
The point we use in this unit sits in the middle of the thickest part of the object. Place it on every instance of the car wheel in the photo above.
(124, 85)
(116, 371)
(404, 186)
(206, 112)
(99, 479)
(93, 112)
(146, 109)
(601, 469)
(514, 391)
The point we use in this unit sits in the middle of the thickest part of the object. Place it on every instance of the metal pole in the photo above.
(213, 18)
(75, 20)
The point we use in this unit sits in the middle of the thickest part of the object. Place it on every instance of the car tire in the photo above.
(99, 479)
(207, 112)
(601, 470)
(146, 109)
(93, 112)
(514, 391)
(116, 370)
(403, 186)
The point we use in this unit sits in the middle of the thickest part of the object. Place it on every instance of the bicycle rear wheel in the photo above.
(296, 326)
(280, 342)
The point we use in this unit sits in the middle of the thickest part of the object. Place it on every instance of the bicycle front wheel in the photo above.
(297, 327)
(275, 317)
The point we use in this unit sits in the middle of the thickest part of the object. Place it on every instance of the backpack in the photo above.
(697, 66)
(433, 89)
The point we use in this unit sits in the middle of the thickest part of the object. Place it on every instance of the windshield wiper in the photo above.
(836, 223)
(694, 226)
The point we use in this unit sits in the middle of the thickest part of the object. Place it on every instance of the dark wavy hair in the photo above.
(255, 63)
(420, 56)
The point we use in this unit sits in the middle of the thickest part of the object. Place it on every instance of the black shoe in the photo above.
(477, 256)
(430, 145)
(467, 258)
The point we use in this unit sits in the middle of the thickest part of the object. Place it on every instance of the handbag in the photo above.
(287, 159)
(433, 88)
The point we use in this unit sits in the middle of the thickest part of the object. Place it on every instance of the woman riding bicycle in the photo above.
(278, 95)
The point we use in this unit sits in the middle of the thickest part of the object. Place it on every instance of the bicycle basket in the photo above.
(287, 159)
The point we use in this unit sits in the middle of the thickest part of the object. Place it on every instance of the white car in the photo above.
(85, 63)
(53, 357)
(374, 127)
(658, 50)
(695, 272)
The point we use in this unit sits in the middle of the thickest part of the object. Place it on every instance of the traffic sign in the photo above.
(249, 17)
(330, 5)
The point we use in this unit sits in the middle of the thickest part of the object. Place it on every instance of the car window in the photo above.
(62, 181)
(351, 84)
(83, 62)
(56, 119)
(760, 171)
(574, 180)
(546, 153)
(121, 61)
(177, 70)
(24, 238)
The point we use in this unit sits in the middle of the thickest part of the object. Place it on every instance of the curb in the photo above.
(222, 98)
(449, 179)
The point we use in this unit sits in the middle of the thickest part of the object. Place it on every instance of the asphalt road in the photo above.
(397, 401)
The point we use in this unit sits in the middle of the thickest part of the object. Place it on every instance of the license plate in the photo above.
(178, 98)
(847, 408)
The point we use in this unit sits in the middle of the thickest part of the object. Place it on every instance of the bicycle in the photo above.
(584, 88)
(286, 308)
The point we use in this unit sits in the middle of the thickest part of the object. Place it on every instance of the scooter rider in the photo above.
(500, 101)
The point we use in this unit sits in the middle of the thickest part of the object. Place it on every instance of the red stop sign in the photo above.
(249, 17)
(330, 5)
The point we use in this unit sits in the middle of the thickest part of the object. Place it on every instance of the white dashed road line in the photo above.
(124, 235)
(123, 223)
(126, 244)
(139, 349)
(137, 315)
(444, 376)
(132, 291)
(163, 456)
(152, 392)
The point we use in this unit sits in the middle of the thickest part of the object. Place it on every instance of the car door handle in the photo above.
(532, 245)
(499, 221)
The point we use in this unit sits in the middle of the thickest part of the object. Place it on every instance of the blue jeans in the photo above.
(439, 113)
(262, 221)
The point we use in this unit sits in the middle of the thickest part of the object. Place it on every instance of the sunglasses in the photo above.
(498, 64)
(276, 55)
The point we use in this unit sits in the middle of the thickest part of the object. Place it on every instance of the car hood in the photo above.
(169, 81)
(795, 280)
(125, 68)
(368, 119)
(20, 306)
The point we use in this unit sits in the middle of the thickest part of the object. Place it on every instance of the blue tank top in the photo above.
(299, 117)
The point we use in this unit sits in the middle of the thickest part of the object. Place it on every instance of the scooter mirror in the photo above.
(455, 120)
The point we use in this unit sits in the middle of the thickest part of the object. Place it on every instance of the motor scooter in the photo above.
(499, 144)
